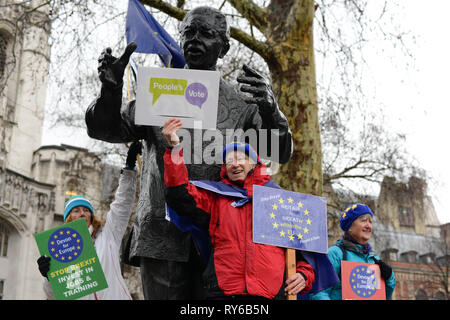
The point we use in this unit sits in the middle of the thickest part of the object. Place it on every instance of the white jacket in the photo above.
(108, 241)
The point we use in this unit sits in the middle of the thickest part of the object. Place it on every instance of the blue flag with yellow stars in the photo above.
(150, 37)
(289, 219)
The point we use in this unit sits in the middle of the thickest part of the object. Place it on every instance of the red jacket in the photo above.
(237, 264)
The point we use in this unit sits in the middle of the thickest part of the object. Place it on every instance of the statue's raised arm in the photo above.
(103, 117)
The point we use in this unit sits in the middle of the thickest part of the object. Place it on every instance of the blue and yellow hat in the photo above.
(76, 201)
(352, 213)
(242, 147)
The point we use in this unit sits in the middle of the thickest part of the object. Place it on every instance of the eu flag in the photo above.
(150, 37)
(289, 219)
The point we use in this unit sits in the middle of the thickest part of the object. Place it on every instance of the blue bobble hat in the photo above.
(76, 201)
(242, 147)
(352, 213)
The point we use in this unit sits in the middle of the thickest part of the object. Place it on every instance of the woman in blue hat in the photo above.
(356, 222)
(107, 237)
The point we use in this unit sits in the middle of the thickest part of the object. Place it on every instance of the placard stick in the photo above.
(291, 269)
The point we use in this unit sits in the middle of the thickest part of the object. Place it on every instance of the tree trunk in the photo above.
(291, 63)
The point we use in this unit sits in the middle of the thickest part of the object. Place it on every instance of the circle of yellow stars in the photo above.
(291, 234)
(56, 237)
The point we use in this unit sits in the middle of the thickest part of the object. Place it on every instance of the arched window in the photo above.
(439, 296)
(421, 295)
(3, 46)
(71, 189)
(4, 234)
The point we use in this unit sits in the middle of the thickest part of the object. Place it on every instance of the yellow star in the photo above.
(78, 247)
(282, 233)
(52, 243)
(53, 249)
(300, 204)
(78, 240)
(55, 236)
(75, 253)
(291, 237)
(56, 255)
(60, 232)
(68, 232)
(305, 230)
(70, 257)
(306, 212)
(290, 200)
(275, 207)
(344, 215)
(281, 201)
(74, 235)
(272, 215)
(308, 221)
(300, 236)
(62, 258)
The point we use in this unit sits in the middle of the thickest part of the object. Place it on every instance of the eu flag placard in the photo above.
(289, 219)
(362, 281)
(75, 270)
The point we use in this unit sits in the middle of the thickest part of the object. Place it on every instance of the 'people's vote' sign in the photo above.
(190, 95)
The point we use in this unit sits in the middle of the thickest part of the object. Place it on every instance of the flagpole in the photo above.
(291, 269)
(129, 99)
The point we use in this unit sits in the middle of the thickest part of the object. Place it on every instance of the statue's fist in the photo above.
(111, 69)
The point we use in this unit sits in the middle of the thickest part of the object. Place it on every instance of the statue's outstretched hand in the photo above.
(111, 69)
(259, 88)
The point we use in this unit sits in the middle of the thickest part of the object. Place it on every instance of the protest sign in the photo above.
(75, 270)
(190, 95)
(362, 281)
(289, 219)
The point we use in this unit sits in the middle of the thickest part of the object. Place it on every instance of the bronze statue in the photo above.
(170, 265)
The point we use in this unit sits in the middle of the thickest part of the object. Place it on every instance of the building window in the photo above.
(2, 285)
(421, 295)
(406, 216)
(3, 46)
(3, 240)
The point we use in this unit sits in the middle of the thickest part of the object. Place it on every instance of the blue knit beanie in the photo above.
(242, 147)
(76, 201)
(352, 213)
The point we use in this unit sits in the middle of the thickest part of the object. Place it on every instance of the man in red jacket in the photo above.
(237, 267)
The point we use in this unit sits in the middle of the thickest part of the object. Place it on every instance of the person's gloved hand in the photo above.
(134, 149)
(111, 69)
(44, 265)
(385, 269)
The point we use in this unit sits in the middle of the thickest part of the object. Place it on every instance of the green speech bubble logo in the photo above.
(159, 86)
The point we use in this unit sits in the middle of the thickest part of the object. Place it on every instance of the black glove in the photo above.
(385, 269)
(260, 89)
(44, 265)
(111, 69)
(134, 149)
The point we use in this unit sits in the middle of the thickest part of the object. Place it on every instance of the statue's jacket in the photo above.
(153, 235)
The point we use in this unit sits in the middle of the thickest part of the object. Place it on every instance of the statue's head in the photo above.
(205, 37)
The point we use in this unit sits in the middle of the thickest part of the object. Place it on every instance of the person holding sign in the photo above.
(107, 237)
(237, 267)
(169, 263)
(356, 222)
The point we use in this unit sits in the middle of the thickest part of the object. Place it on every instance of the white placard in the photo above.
(190, 95)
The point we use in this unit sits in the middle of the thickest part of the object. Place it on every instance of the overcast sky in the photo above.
(416, 98)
